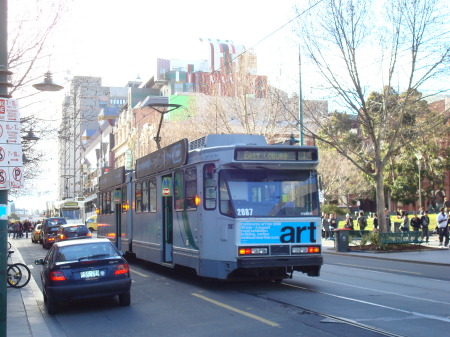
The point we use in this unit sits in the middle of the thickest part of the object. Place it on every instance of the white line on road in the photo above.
(437, 318)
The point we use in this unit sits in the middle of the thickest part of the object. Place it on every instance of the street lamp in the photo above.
(419, 158)
(48, 84)
(162, 108)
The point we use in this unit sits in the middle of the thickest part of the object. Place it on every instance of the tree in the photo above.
(358, 45)
(341, 179)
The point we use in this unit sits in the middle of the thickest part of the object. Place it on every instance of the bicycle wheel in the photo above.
(18, 275)
(9, 245)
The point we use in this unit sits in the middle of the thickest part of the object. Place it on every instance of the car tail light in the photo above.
(57, 276)
(62, 236)
(122, 269)
(89, 234)
(51, 239)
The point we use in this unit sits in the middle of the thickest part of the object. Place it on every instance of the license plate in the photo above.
(90, 273)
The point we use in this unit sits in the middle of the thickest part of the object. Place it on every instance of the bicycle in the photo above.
(18, 274)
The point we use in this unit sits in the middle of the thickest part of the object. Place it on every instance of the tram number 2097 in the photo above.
(244, 211)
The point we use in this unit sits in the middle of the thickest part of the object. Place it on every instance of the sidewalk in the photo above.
(437, 256)
(26, 314)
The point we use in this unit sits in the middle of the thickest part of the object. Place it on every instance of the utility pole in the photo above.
(300, 96)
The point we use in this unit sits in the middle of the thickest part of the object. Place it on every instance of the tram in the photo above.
(228, 206)
(71, 210)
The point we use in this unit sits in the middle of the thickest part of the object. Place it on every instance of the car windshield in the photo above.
(268, 193)
(86, 251)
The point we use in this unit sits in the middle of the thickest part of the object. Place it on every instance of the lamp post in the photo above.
(419, 158)
(162, 108)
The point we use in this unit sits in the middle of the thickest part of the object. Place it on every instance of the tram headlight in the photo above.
(253, 250)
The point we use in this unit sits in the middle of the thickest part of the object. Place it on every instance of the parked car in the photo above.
(72, 232)
(79, 269)
(55, 221)
(36, 233)
(91, 223)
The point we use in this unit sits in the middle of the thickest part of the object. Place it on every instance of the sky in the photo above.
(120, 40)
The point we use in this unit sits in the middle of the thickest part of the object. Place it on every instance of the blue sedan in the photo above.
(84, 269)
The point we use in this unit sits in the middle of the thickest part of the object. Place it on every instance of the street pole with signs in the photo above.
(3, 193)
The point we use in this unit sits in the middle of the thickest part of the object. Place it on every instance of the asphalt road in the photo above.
(352, 297)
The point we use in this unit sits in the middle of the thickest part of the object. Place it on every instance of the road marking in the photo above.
(412, 313)
(396, 270)
(136, 272)
(223, 305)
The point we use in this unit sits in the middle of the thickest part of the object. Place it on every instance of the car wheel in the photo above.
(91, 229)
(125, 299)
(51, 306)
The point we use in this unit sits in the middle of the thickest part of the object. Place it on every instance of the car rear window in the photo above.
(52, 229)
(86, 251)
(75, 230)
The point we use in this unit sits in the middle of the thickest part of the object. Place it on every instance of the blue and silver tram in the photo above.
(228, 206)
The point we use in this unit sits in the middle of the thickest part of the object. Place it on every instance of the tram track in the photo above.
(331, 318)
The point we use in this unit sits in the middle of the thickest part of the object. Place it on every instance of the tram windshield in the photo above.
(268, 193)
(71, 214)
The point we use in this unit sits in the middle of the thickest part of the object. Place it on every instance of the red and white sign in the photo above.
(11, 171)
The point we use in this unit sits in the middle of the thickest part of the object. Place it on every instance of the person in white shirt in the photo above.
(442, 223)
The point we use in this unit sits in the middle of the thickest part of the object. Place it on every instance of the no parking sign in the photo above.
(11, 170)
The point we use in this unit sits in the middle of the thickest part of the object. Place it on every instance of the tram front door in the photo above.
(167, 229)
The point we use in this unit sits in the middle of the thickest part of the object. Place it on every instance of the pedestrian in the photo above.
(425, 219)
(26, 228)
(325, 227)
(375, 222)
(333, 224)
(405, 223)
(16, 230)
(362, 221)
(442, 222)
(421, 211)
(415, 222)
(348, 222)
(447, 204)
(10, 229)
(388, 220)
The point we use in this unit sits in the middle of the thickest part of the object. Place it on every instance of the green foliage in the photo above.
(333, 209)
(13, 216)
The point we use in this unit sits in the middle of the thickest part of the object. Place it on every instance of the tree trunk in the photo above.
(379, 186)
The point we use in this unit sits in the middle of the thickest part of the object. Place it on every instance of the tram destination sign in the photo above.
(308, 154)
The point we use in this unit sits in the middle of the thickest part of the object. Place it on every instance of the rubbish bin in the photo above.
(341, 239)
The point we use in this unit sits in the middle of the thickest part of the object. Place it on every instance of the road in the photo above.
(352, 297)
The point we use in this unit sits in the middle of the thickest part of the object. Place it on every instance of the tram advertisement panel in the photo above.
(276, 232)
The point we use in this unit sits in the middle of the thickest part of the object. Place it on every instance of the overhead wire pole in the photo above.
(3, 193)
(300, 96)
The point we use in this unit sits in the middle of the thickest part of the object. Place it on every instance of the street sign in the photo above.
(11, 170)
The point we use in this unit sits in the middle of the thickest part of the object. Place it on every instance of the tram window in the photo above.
(111, 204)
(209, 186)
(225, 201)
(152, 187)
(108, 202)
(145, 197)
(104, 204)
(191, 188)
(124, 199)
(138, 197)
(100, 202)
(179, 191)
